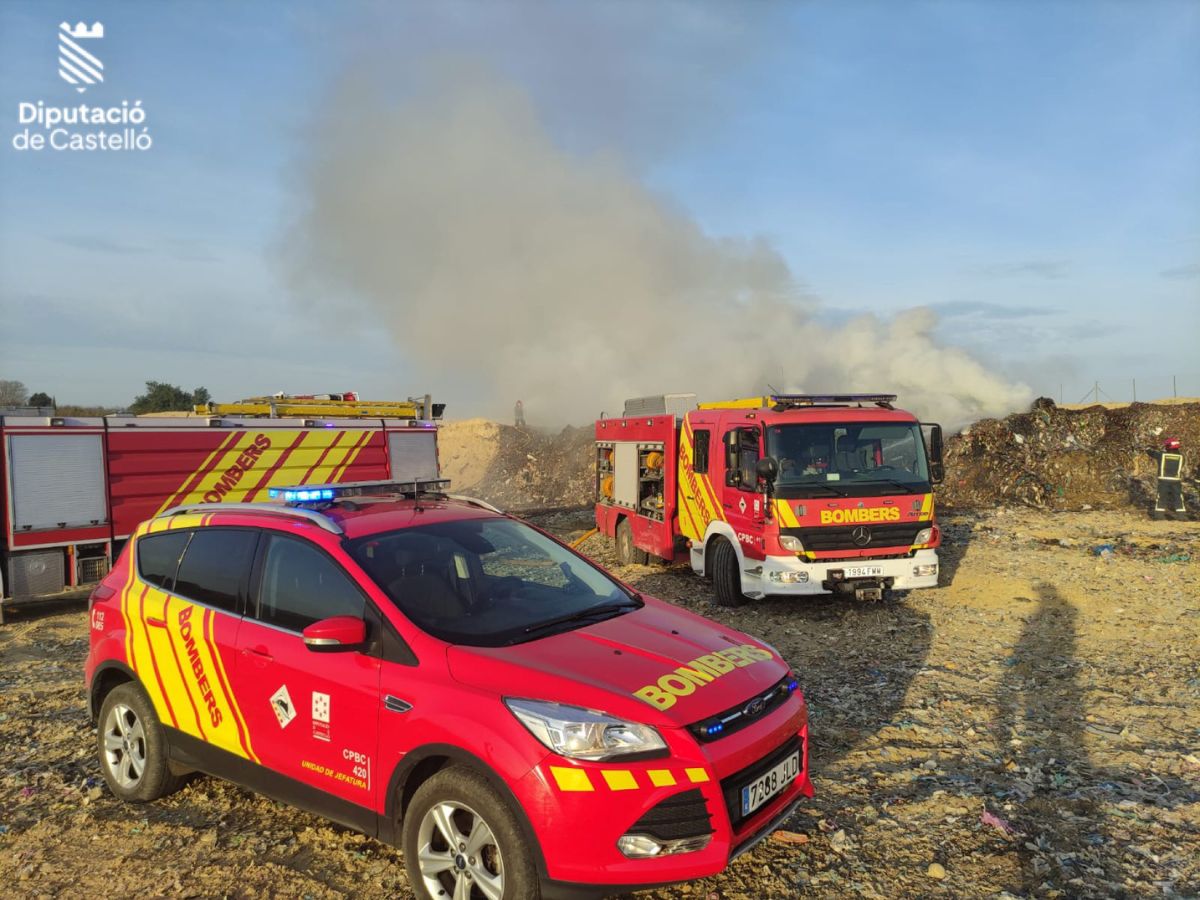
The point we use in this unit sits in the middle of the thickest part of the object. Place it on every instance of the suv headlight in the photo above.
(790, 542)
(579, 733)
(924, 536)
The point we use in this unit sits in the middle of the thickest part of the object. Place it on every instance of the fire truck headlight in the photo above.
(790, 542)
(924, 536)
(785, 577)
(579, 733)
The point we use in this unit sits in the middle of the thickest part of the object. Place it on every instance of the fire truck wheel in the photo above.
(462, 840)
(627, 553)
(727, 582)
(133, 747)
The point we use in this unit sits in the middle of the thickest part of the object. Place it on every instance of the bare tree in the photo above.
(12, 393)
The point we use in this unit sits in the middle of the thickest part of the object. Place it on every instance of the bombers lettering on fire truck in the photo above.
(859, 516)
(240, 467)
(224, 638)
(700, 671)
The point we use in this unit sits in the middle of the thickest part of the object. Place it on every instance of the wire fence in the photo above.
(1112, 389)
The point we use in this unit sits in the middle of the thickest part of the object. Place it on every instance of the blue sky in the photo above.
(1031, 171)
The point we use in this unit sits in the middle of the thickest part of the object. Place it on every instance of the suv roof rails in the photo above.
(270, 509)
(475, 501)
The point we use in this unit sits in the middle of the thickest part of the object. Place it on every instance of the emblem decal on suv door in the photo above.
(281, 702)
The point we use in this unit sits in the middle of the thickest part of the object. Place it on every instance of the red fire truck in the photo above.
(74, 489)
(782, 494)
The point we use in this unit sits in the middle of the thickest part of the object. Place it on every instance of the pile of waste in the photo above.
(1055, 458)
(518, 469)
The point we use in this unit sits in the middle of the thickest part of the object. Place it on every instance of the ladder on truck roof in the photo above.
(279, 407)
(780, 402)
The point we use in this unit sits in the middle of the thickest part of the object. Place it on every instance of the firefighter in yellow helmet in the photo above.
(1169, 483)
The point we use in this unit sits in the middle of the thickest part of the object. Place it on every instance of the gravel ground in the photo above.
(1031, 728)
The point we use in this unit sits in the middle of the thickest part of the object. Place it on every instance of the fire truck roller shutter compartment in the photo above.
(625, 486)
(413, 455)
(57, 481)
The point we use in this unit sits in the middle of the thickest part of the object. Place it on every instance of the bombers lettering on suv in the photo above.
(449, 679)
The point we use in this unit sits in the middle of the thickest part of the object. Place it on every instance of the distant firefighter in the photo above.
(519, 414)
(1169, 502)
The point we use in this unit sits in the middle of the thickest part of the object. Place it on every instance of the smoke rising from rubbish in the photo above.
(506, 268)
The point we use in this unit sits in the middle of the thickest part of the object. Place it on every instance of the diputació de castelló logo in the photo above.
(45, 125)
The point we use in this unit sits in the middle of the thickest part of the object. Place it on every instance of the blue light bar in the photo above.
(301, 495)
(817, 399)
(324, 493)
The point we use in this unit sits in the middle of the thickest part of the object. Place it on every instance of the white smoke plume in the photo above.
(508, 268)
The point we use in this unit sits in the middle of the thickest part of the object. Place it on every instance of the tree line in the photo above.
(159, 396)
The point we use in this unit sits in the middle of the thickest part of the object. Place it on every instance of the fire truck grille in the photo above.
(898, 535)
(681, 815)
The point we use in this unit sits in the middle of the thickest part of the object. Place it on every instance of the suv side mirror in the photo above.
(336, 633)
(768, 470)
(937, 469)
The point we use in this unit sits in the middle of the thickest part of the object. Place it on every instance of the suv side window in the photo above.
(301, 585)
(216, 566)
(158, 557)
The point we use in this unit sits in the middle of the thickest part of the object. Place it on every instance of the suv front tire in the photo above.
(461, 839)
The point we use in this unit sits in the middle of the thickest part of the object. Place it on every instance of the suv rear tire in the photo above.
(485, 840)
(627, 553)
(133, 747)
(727, 580)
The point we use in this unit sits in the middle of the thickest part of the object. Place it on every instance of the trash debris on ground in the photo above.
(1055, 458)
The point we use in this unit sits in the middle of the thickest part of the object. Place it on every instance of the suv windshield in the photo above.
(825, 460)
(488, 582)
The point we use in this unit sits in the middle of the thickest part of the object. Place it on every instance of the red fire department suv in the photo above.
(428, 670)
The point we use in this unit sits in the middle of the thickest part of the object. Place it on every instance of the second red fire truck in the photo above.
(72, 490)
(780, 494)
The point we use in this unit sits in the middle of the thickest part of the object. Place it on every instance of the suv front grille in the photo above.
(901, 534)
(682, 815)
(745, 713)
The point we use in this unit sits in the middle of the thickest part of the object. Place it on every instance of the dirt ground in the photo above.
(1031, 728)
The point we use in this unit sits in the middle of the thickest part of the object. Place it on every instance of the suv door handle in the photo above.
(395, 704)
(157, 623)
(258, 654)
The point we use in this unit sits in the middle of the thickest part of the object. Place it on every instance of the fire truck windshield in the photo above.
(489, 582)
(853, 459)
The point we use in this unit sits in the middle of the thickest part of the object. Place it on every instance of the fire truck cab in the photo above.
(781, 494)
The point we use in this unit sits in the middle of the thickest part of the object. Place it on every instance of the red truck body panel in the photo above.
(138, 467)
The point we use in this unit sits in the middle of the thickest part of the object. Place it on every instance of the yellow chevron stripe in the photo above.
(619, 779)
(228, 458)
(571, 779)
(228, 696)
(351, 456)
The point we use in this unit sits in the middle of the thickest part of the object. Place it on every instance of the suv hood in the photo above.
(658, 665)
